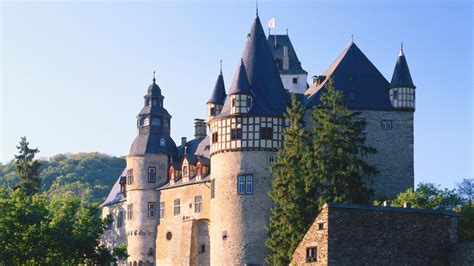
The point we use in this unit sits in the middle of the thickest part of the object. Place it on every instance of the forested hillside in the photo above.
(86, 175)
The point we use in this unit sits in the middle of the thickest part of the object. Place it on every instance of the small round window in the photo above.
(169, 235)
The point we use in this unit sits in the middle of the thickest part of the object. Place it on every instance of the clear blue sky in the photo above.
(73, 74)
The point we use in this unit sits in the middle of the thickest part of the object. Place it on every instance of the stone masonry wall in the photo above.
(365, 237)
(394, 158)
(116, 236)
(141, 230)
(462, 254)
(315, 237)
(179, 250)
(238, 222)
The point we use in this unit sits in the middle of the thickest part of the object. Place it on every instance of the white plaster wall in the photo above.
(299, 87)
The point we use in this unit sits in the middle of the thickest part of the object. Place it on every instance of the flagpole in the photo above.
(275, 32)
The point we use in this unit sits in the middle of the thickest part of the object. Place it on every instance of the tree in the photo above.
(466, 189)
(466, 222)
(293, 210)
(120, 252)
(428, 196)
(338, 152)
(27, 168)
(323, 164)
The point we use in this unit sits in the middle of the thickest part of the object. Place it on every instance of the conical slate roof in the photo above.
(218, 94)
(240, 83)
(401, 75)
(360, 81)
(270, 97)
(153, 90)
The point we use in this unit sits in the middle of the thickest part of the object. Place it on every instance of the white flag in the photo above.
(271, 23)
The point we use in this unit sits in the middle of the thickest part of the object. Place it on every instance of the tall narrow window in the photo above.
(151, 210)
(162, 209)
(245, 184)
(311, 254)
(130, 211)
(215, 137)
(130, 176)
(198, 203)
(177, 206)
(120, 219)
(213, 187)
(151, 174)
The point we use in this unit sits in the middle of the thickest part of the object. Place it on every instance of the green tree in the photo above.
(120, 252)
(338, 152)
(27, 168)
(293, 209)
(466, 222)
(466, 189)
(323, 164)
(428, 196)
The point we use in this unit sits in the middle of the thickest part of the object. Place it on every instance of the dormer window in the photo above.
(162, 142)
(185, 170)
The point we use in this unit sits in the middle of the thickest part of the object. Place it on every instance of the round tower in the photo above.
(147, 169)
(402, 89)
(245, 137)
(215, 103)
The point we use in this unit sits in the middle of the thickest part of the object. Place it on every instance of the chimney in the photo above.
(286, 58)
(387, 203)
(183, 142)
(407, 205)
(200, 128)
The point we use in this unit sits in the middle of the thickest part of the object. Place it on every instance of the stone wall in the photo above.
(462, 254)
(141, 230)
(238, 222)
(116, 235)
(179, 237)
(315, 237)
(368, 235)
(394, 158)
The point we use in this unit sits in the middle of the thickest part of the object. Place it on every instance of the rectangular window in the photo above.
(395, 94)
(248, 184)
(320, 226)
(295, 80)
(215, 137)
(151, 210)
(311, 254)
(213, 111)
(130, 211)
(130, 176)
(109, 222)
(177, 206)
(266, 133)
(162, 209)
(151, 174)
(386, 125)
(245, 184)
(185, 170)
(363, 124)
(198, 203)
(213, 187)
(241, 185)
(236, 134)
(120, 219)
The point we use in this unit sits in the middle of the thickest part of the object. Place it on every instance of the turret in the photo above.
(147, 169)
(215, 103)
(239, 93)
(402, 89)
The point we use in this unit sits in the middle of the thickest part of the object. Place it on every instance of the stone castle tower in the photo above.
(147, 169)
(245, 136)
(206, 201)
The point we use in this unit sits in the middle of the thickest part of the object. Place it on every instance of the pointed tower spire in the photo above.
(240, 84)
(221, 68)
(256, 8)
(154, 78)
(401, 74)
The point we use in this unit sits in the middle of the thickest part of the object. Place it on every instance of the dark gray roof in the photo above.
(180, 183)
(153, 90)
(401, 75)
(360, 81)
(218, 94)
(270, 97)
(277, 51)
(151, 144)
(114, 195)
(240, 83)
(196, 148)
(388, 209)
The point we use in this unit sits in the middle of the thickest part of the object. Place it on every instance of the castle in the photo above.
(205, 202)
